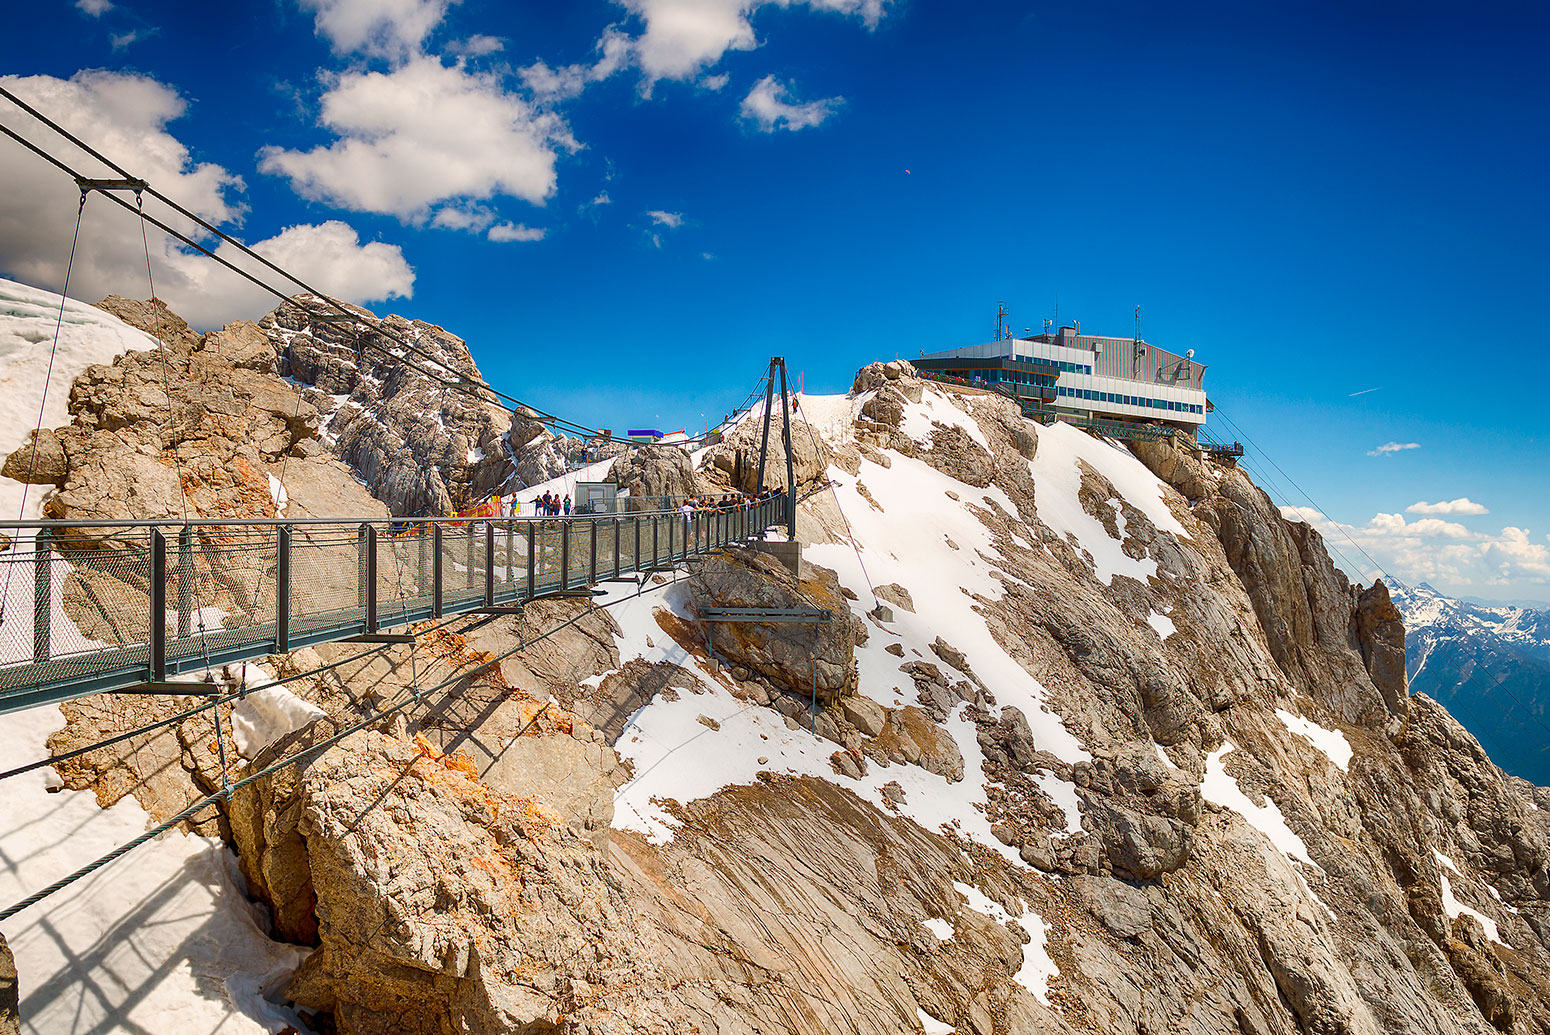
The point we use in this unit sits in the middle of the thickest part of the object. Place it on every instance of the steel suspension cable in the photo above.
(37, 431)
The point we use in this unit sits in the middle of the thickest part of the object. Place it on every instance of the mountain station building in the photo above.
(1067, 375)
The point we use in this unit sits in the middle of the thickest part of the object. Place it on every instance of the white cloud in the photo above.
(123, 39)
(421, 135)
(671, 220)
(478, 46)
(329, 256)
(715, 82)
(1462, 505)
(767, 105)
(601, 199)
(95, 8)
(392, 29)
(682, 38)
(1432, 550)
(568, 81)
(470, 217)
(125, 117)
(1393, 447)
(516, 232)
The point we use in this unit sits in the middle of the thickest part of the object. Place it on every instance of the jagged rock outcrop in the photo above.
(540, 454)
(734, 461)
(795, 657)
(422, 448)
(10, 1018)
(654, 473)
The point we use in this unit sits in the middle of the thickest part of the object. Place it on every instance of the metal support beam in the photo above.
(369, 539)
(129, 183)
(767, 615)
(282, 589)
(592, 553)
(791, 477)
(617, 550)
(565, 555)
(377, 637)
(764, 442)
(436, 579)
(532, 560)
(158, 588)
(160, 688)
(489, 564)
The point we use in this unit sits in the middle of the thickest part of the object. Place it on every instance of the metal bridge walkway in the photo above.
(81, 598)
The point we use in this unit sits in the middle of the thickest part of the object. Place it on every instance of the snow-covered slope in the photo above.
(165, 941)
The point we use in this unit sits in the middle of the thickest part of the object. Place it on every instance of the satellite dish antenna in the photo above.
(1189, 354)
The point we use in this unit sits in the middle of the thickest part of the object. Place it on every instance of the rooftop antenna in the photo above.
(1138, 323)
(1001, 323)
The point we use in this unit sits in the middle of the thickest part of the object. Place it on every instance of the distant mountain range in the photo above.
(1490, 666)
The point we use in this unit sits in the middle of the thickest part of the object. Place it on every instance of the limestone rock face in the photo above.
(651, 472)
(782, 653)
(422, 449)
(734, 462)
(453, 905)
(1381, 632)
(541, 454)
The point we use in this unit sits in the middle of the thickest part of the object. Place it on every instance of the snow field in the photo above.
(1161, 624)
(930, 1025)
(939, 927)
(1058, 480)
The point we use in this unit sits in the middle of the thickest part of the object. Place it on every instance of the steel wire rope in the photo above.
(460, 382)
(166, 378)
(306, 753)
(1501, 680)
(59, 323)
(849, 534)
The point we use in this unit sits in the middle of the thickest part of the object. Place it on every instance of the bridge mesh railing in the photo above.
(87, 606)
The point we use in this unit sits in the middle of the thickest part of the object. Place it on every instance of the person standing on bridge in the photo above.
(567, 506)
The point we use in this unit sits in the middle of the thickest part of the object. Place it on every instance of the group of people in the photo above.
(550, 504)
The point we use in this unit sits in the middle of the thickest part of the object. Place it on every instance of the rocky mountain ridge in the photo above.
(1103, 744)
(1490, 666)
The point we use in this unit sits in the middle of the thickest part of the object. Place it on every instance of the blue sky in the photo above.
(1319, 198)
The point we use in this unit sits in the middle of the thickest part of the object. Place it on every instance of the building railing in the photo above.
(87, 607)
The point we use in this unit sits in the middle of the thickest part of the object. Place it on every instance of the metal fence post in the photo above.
(511, 531)
(616, 548)
(158, 606)
(42, 593)
(186, 576)
(532, 559)
(470, 566)
(636, 554)
(489, 564)
(369, 539)
(592, 556)
(656, 547)
(282, 589)
(436, 575)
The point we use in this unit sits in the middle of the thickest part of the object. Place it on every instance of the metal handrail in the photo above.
(284, 583)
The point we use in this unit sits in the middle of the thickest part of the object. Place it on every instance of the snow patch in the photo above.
(163, 940)
(1162, 624)
(278, 494)
(936, 408)
(1220, 789)
(939, 927)
(1331, 742)
(1037, 968)
(1454, 908)
(266, 715)
(930, 1025)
